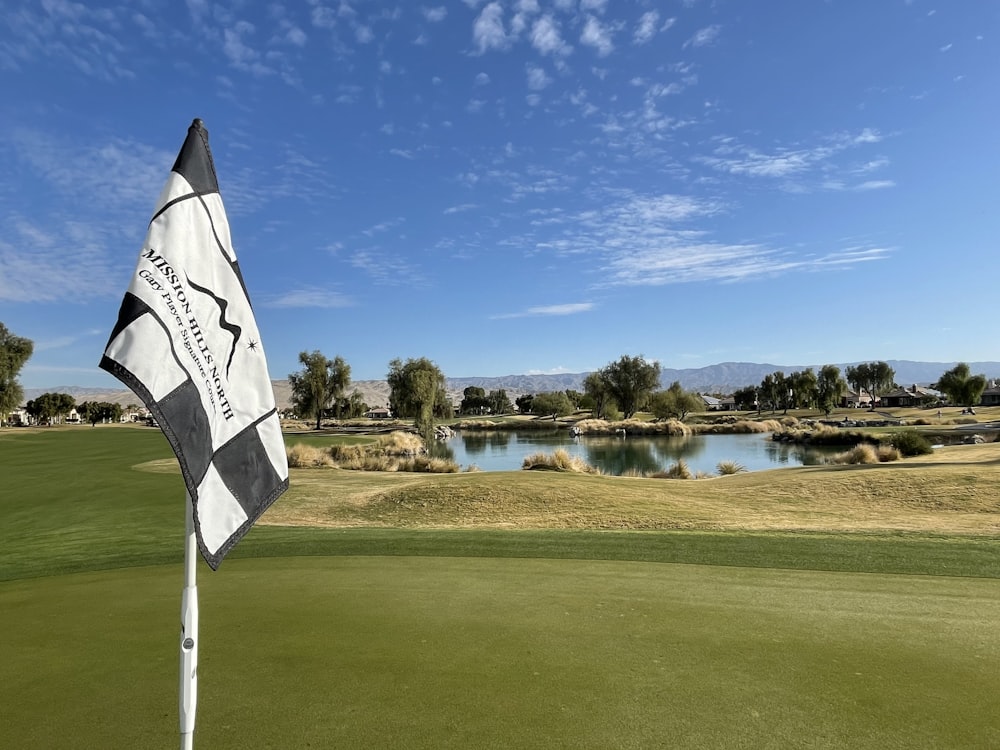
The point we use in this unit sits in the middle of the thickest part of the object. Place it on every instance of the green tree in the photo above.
(50, 407)
(675, 402)
(960, 386)
(595, 389)
(556, 403)
(474, 400)
(630, 381)
(830, 387)
(498, 402)
(99, 411)
(417, 390)
(746, 398)
(770, 391)
(14, 352)
(524, 403)
(320, 383)
(873, 377)
(802, 384)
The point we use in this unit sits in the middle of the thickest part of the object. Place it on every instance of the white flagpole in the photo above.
(189, 632)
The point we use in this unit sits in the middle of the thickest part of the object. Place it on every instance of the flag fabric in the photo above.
(187, 344)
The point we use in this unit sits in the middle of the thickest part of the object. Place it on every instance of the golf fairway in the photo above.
(431, 652)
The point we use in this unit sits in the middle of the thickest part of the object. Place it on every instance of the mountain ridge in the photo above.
(724, 377)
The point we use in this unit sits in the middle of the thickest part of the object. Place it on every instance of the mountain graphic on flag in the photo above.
(186, 343)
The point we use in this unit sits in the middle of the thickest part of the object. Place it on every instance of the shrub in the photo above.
(302, 456)
(911, 443)
(862, 453)
(730, 467)
(558, 461)
(401, 444)
(887, 453)
(428, 465)
(679, 470)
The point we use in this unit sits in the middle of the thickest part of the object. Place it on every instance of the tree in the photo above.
(746, 398)
(630, 381)
(319, 384)
(474, 400)
(770, 391)
(556, 403)
(874, 377)
(350, 407)
(675, 402)
(802, 385)
(417, 390)
(99, 411)
(14, 352)
(524, 403)
(498, 402)
(829, 388)
(49, 407)
(595, 390)
(960, 386)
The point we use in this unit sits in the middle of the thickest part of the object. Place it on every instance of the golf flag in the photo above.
(187, 344)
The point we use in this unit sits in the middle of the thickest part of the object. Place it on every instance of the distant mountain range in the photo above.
(725, 377)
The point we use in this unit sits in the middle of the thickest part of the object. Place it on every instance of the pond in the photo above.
(503, 450)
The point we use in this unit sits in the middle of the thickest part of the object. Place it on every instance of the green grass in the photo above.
(480, 638)
(374, 652)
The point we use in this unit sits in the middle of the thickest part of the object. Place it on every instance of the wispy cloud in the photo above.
(739, 159)
(309, 297)
(459, 208)
(646, 28)
(488, 30)
(574, 308)
(597, 35)
(704, 37)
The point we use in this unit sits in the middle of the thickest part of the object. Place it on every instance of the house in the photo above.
(712, 403)
(990, 397)
(727, 404)
(915, 395)
(379, 412)
(856, 399)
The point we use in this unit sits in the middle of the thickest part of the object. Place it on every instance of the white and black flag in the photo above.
(187, 344)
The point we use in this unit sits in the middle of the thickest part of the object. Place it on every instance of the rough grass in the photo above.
(560, 460)
(396, 451)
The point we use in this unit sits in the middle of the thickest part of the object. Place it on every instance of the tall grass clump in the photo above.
(301, 456)
(862, 453)
(401, 444)
(428, 465)
(558, 461)
(679, 470)
(726, 468)
(911, 443)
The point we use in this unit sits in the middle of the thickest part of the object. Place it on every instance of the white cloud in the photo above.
(309, 297)
(646, 28)
(546, 37)
(488, 31)
(574, 308)
(459, 209)
(482, 79)
(435, 15)
(875, 185)
(598, 36)
(363, 34)
(537, 79)
(598, 6)
(704, 37)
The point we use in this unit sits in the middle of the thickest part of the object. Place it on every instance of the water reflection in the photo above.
(619, 455)
(503, 450)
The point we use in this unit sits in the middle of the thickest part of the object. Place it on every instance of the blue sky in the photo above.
(524, 186)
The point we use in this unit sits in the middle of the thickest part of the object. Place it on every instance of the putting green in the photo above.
(429, 652)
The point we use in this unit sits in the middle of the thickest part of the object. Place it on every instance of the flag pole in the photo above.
(189, 631)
